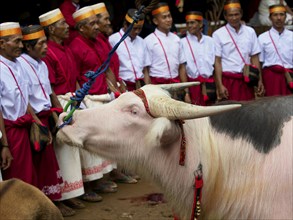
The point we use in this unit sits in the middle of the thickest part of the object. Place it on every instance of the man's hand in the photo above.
(6, 158)
(260, 90)
(222, 93)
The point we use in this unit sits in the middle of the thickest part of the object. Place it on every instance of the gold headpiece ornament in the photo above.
(278, 8)
(130, 20)
(232, 5)
(9, 28)
(33, 36)
(99, 8)
(50, 17)
(83, 13)
(193, 17)
(161, 9)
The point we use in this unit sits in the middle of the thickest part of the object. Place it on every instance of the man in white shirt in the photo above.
(14, 106)
(236, 45)
(167, 61)
(277, 54)
(199, 51)
(35, 47)
(132, 54)
(264, 14)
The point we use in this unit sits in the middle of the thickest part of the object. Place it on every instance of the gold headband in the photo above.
(100, 10)
(52, 20)
(232, 5)
(11, 31)
(34, 36)
(130, 20)
(277, 9)
(193, 17)
(160, 10)
(84, 16)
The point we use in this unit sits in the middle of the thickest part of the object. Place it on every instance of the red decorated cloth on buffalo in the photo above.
(274, 81)
(19, 144)
(237, 88)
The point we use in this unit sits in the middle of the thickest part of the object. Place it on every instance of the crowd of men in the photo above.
(42, 66)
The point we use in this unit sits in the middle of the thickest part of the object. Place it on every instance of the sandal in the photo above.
(91, 197)
(122, 178)
(74, 203)
(65, 210)
(105, 187)
(109, 182)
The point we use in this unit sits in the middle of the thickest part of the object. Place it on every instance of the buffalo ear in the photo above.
(162, 133)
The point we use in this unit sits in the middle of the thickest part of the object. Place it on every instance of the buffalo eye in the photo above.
(134, 111)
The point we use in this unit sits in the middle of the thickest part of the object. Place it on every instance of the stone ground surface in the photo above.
(140, 201)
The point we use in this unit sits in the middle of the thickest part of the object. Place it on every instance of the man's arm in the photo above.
(5, 157)
(111, 81)
(54, 100)
(222, 92)
(260, 87)
(146, 73)
(183, 78)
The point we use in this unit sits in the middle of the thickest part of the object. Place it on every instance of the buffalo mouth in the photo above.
(66, 135)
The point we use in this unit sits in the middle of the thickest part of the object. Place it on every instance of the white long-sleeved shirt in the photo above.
(246, 41)
(203, 52)
(37, 72)
(14, 96)
(284, 45)
(138, 59)
(159, 65)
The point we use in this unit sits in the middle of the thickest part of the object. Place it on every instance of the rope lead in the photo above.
(91, 75)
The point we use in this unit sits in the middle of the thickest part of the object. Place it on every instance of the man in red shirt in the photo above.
(88, 58)
(104, 46)
(68, 7)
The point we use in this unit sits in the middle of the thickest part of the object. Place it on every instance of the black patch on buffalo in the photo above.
(259, 121)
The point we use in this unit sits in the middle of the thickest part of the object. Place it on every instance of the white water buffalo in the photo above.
(246, 153)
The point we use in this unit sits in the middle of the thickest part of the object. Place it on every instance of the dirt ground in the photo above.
(140, 201)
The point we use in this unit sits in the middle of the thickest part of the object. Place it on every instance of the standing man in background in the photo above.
(277, 54)
(104, 46)
(68, 7)
(46, 165)
(63, 79)
(15, 108)
(167, 61)
(132, 53)
(236, 46)
(199, 51)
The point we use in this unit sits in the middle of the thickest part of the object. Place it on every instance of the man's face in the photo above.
(104, 23)
(194, 26)
(40, 49)
(90, 28)
(278, 19)
(163, 21)
(135, 31)
(60, 29)
(11, 47)
(233, 17)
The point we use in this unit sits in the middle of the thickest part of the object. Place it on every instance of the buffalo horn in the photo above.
(164, 106)
(177, 86)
